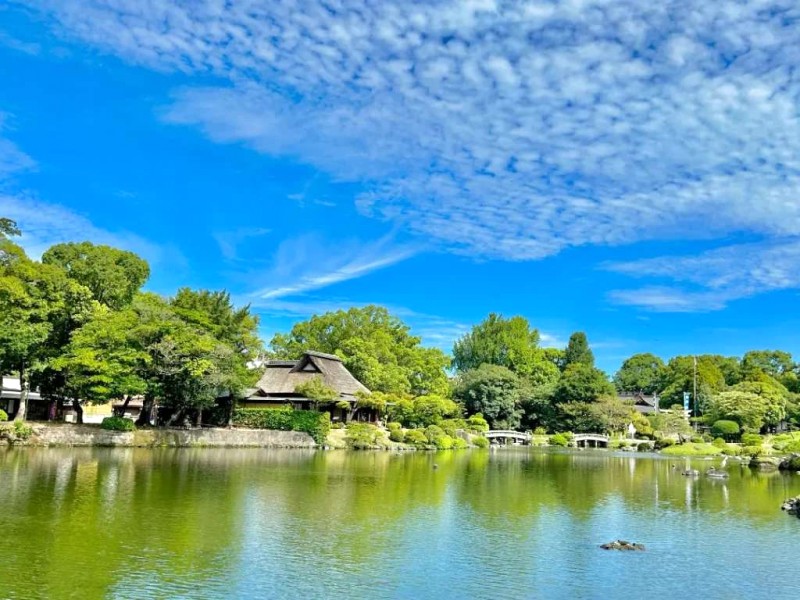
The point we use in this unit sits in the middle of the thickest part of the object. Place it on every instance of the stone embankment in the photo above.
(87, 435)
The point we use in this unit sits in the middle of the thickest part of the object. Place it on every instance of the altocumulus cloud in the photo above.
(503, 129)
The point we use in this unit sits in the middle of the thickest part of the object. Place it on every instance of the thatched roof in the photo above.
(281, 377)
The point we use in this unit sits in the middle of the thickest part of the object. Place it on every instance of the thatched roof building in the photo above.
(281, 377)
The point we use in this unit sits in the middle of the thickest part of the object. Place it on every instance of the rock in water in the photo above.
(622, 545)
(792, 506)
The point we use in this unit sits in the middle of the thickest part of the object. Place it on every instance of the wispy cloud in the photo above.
(710, 280)
(509, 130)
(12, 159)
(229, 241)
(308, 263)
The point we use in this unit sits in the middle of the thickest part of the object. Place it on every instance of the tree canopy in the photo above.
(578, 351)
(494, 391)
(640, 373)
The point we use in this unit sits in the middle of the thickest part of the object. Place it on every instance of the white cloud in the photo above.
(710, 280)
(12, 159)
(307, 263)
(229, 241)
(509, 130)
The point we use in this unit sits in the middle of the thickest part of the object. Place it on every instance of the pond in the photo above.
(523, 523)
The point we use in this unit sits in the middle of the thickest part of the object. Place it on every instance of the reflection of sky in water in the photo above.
(293, 524)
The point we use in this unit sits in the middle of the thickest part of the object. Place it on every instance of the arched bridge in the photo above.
(506, 434)
(590, 439)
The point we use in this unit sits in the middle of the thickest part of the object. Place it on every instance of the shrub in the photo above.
(719, 442)
(3, 416)
(540, 431)
(643, 447)
(731, 450)
(317, 425)
(118, 424)
(751, 439)
(416, 437)
(443, 442)
(22, 430)
(792, 464)
(434, 432)
(477, 423)
(460, 444)
(792, 447)
(451, 426)
(697, 439)
(752, 451)
(664, 442)
(480, 442)
(559, 439)
(393, 425)
(362, 436)
(725, 429)
(397, 435)
(708, 438)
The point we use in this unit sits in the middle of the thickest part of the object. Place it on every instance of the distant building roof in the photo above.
(12, 389)
(643, 403)
(281, 377)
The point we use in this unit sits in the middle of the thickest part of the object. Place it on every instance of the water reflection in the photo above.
(125, 523)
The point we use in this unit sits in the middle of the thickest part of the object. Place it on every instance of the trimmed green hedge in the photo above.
(317, 425)
(118, 424)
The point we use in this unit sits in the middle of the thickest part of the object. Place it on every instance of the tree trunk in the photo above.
(199, 420)
(146, 416)
(120, 410)
(22, 411)
(174, 417)
(231, 407)
(76, 406)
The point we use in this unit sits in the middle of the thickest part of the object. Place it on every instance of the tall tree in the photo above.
(582, 383)
(8, 228)
(578, 351)
(374, 345)
(112, 275)
(640, 373)
(494, 391)
(679, 378)
(772, 362)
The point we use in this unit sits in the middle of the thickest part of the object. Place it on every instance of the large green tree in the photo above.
(578, 351)
(772, 362)
(494, 391)
(679, 378)
(581, 382)
(374, 345)
(640, 373)
(112, 275)
(510, 343)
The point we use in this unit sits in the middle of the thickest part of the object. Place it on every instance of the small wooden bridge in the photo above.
(509, 434)
(590, 440)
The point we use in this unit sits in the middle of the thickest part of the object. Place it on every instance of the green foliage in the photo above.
(459, 444)
(444, 442)
(493, 391)
(416, 437)
(8, 228)
(540, 431)
(670, 423)
(510, 343)
(113, 276)
(118, 424)
(363, 436)
(752, 451)
(22, 430)
(317, 425)
(745, 407)
(477, 423)
(640, 373)
(728, 430)
(315, 390)
(719, 443)
(692, 449)
(422, 411)
(480, 442)
(578, 351)
(732, 450)
(559, 439)
(679, 378)
(397, 435)
(375, 346)
(772, 362)
(664, 442)
(752, 439)
(581, 382)
(3, 416)
(432, 432)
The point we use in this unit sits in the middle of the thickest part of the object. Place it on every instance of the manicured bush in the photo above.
(792, 447)
(644, 447)
(434, 432)
(480, 442)
(664, 442)
(697, 439)
(559, 439)
(3, 416)
(477, 423)
(751, 439)
(317, 425)
(460, 444)
(397, 435)
(752, 451)
(363, 436)
(725, 429)
(443, 442)
(540, 431)
(731, 450)
(22, 430)
(708, 438)
(118, 424)
(416, 437)
(393, 425)
(691, 449)
(719, 442)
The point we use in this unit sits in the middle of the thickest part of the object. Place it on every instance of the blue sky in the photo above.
(600, 165)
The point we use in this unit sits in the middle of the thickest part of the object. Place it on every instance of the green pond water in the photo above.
(516, 523)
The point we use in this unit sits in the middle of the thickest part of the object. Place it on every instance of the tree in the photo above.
(640, 373)
(320, 394)
(772, 362)
(578, 351)
(746, 408)
(375, 346)
(510, 343)
(582, 383)
(493, 391)
(608, 414)
(8, 228)
(113, 276)
(679, 378)
(672, 422)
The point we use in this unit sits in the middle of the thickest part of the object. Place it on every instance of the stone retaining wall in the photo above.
(86, 435)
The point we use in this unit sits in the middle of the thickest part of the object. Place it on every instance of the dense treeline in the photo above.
(77, 326)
